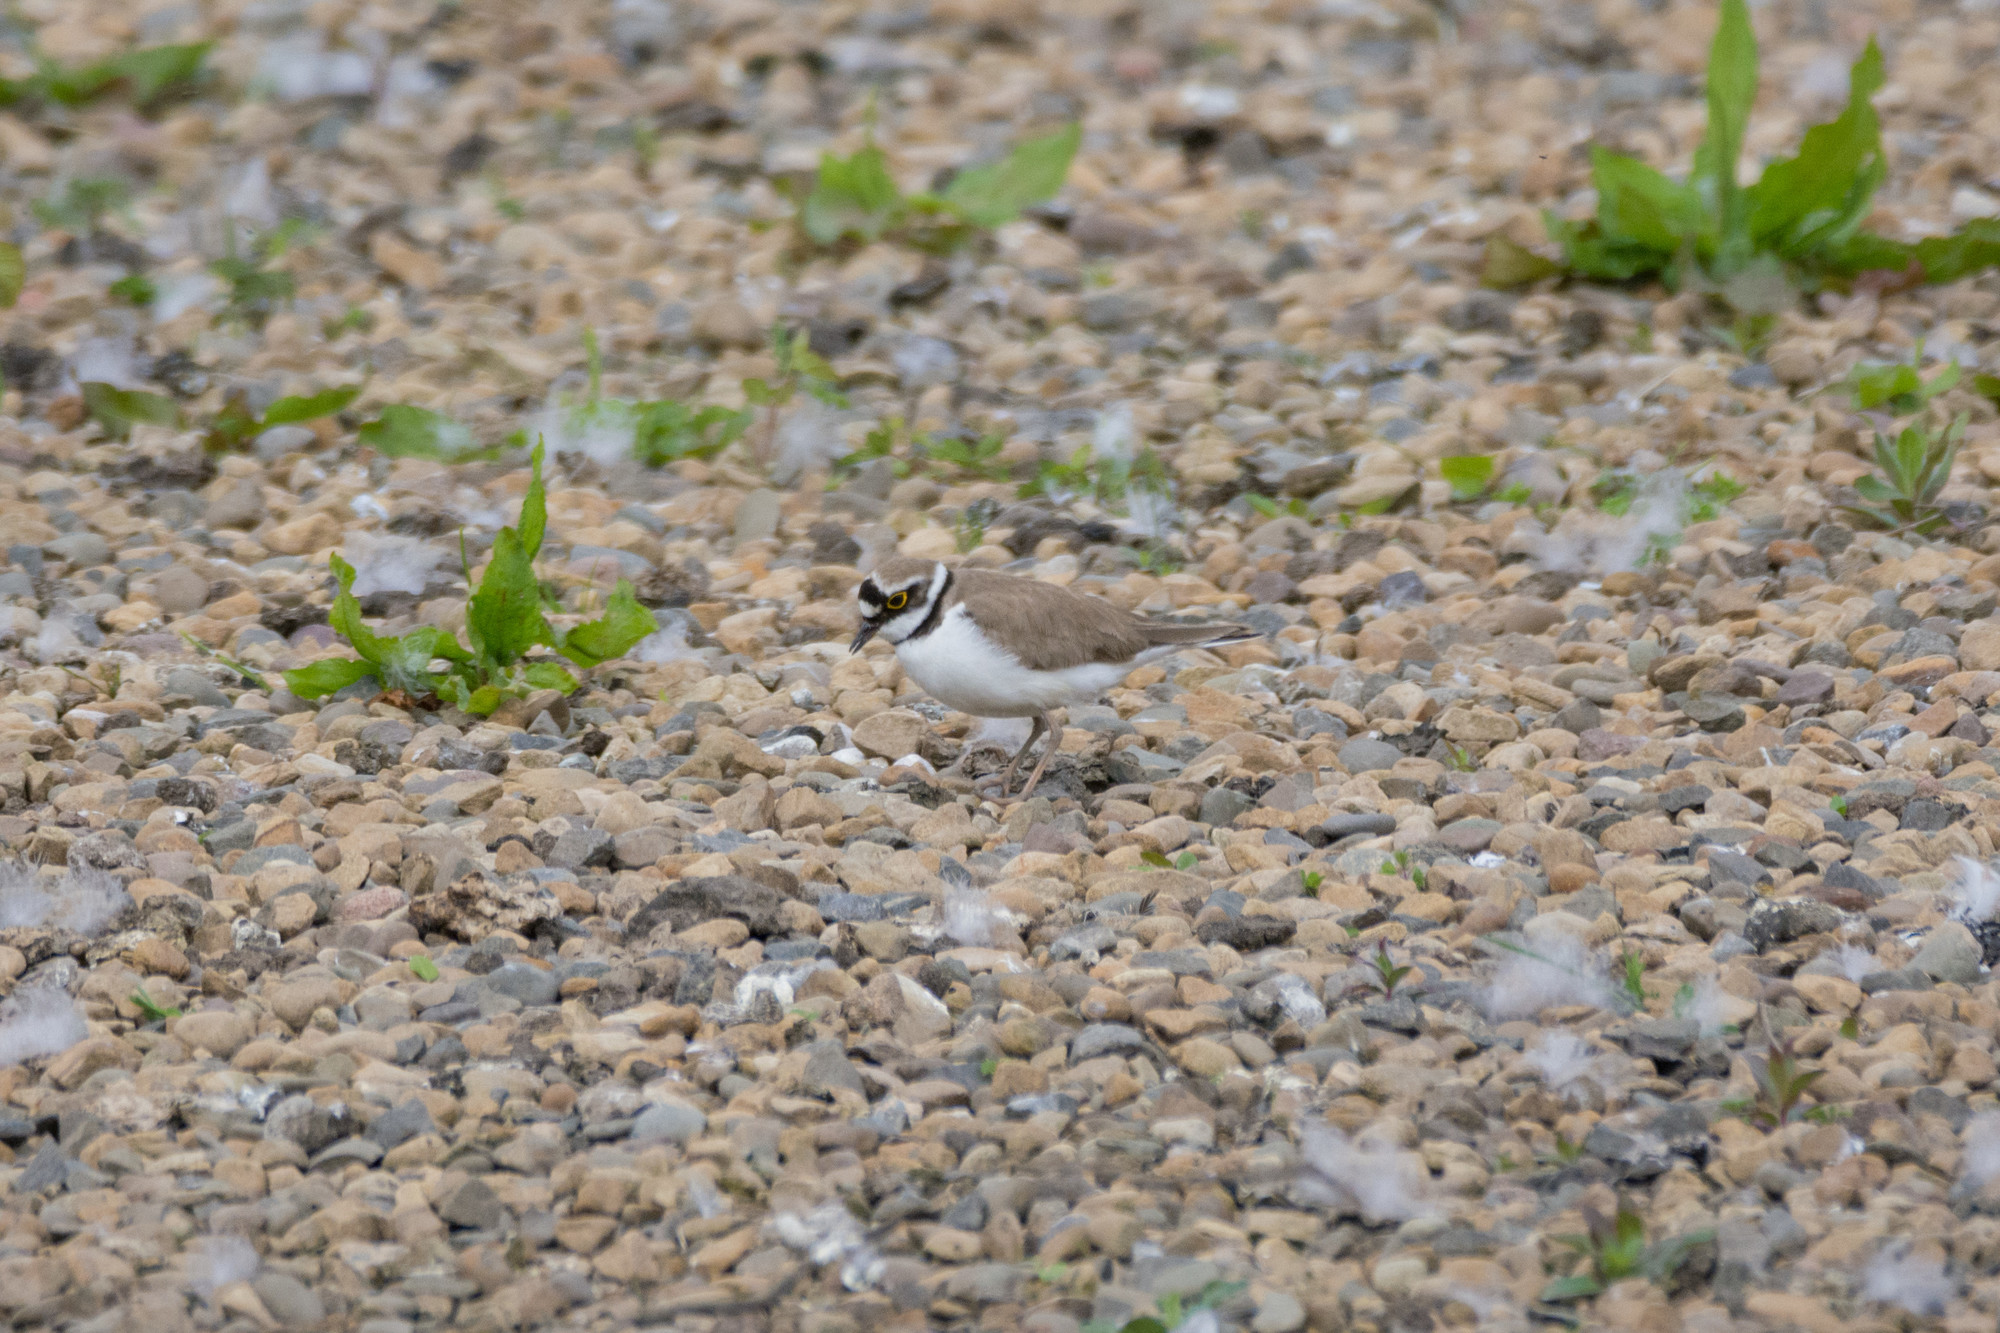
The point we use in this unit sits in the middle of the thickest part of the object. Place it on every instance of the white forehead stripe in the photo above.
(938, 577)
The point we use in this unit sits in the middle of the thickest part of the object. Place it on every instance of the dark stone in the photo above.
(1783, 920)
(581, 848)
(1715, 713)
(828, 1068)
(1806, 687)
(1667, 1039)
(692, 901)
(45, 1170)
(191, 793)
(1936, 1101)
(473, 1206)
(1928, 816)
(1689, 797)
(1247, 934)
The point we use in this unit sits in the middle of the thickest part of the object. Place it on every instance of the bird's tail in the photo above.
(1164, 634)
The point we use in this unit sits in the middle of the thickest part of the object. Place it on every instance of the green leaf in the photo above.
(547, 676)
(1873, 386)
(316, 680)
(1639, 206)
(135, 289)
(534, 519)
(503, 618)
(1574, 1287)
(666, 431)
(290, 411)
(154, 70)
(402, 431)
(1155, 859)
(1732, 88)
(1509, 265)
(1987, 386)
(118, 410)
(853, 197)
(623, 624)
(1971, 249)
(1469, 474)
(482, 701)
(153, 1012)
(995, 194)
(422, 967)
(1805, 205)
(13, 275)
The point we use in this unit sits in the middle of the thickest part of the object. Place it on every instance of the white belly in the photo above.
(961, 668)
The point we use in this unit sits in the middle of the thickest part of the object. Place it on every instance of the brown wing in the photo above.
(1048, 627)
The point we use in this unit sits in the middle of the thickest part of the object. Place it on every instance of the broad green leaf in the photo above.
(534, 507)
(666, 431)
(154, 70)
(623, 624)
(999, 192)
(503, 618)
(853, 196)
(318, 679)
(289, 411)
(1987, 386)
(1814, 201)
(1469, 474)
(1971, 249)
(1732, 88)
(403, 431)
(1509, 265)
(1875, 385)
(1638, 205)
(547, 676)
(13, 274)
(422, 968)
(482, 701)
(118, 410)
(1572, 1288)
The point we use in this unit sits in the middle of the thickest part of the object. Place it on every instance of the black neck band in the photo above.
(937, 609)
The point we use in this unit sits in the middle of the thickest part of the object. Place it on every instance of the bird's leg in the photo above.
(1055, 743)
(1007, 779)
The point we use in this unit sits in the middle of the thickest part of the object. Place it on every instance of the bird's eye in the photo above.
(898, 600)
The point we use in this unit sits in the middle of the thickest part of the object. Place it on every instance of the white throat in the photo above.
(901, 626)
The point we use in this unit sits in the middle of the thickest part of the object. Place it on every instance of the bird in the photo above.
(997, 645)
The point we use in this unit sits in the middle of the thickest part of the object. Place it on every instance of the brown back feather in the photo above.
(1053, 628)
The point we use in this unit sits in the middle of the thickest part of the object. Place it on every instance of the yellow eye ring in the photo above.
(897, 601)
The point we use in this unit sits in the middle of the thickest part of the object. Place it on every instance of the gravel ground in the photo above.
(714, 996)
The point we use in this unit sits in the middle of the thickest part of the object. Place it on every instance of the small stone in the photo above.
(1363, 755)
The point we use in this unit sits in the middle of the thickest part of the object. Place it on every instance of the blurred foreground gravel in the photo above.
(712, 997)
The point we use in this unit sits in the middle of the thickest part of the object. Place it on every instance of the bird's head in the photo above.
(897, 598)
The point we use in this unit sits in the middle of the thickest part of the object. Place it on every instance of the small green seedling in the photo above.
(1850, 1027)
(422, 968)
(1839, 805)
(257, 290)
(235, 426)
(1175, 1310)
(987, 1067)
(117, 410)
(403, 431)
(154, 1013)
(1614, 1248)
(1309, 883)
(1633, 965)
(82, 203)
(800, 370)
(1270, 508)
(148, 74)
(854, 200)
(1469, 475)
(1159, 861)
(980, 457)
(1782, 1082)
(1460, 759)
(135, 289)
(1915, 467)
(253, 679)
(1567, 1152)
(1900, 386)
(1387, 974)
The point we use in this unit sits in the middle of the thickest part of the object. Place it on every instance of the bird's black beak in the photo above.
(868, 629)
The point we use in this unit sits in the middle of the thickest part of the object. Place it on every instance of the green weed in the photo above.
(504, 622)
(1469, 475)
(257, 290)
(1388, 975)
(422, 967)
(1781, 1081)
(403, 431)
(980, 457)
(1914, 469)
(149, 75)
(154, 1013)
(1159, 860)
(235, 426)
(1801, 219)
(855, 200)
(1899, 386)
(1613, 1248)
(117, 410)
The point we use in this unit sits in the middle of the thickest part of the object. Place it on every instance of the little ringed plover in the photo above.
(995, 645)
